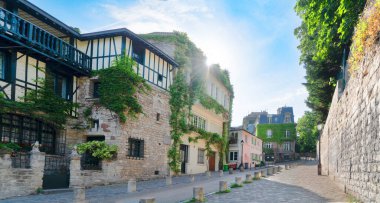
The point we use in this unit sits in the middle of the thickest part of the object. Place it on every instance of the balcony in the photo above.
(25, 33)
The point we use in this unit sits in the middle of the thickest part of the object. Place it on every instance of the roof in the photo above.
(240, 128)
(57, 24)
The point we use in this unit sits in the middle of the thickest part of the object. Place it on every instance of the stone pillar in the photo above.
(199, 194)
(169, 180)
(192, 178)
(208, 174)
(131, 186)
(270, 171)
(286, 166)
(242, 168)
(275, 170)
(230, 170)
(147, 200)
(248, 177)
(37, 163)
(257, 174)
(238, 180)
(75, 171)
(222, 186)
(79, 194)
(279, 168)
(264, 172)
(220, 173)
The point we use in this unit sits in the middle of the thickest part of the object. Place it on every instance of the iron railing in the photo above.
(88, 162)
(25, 31)
(21, 160)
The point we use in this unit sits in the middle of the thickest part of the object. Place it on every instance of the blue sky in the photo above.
(253, 39)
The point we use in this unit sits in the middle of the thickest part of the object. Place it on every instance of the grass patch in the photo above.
(248, 181)
(235, 185)
(223, 192)
(256, 178)
(352, 199)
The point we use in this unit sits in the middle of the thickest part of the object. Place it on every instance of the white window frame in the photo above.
(287, 133)
(234, 155)
(198, 122)
(268, 145)
(286, 146)
(269, 133)
(201, 156)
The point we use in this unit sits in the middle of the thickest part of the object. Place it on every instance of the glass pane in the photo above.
(2, 72)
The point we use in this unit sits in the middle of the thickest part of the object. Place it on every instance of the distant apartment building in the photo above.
(277, 132)
(245, 149)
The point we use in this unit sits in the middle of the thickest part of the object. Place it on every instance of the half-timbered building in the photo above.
(35, 45)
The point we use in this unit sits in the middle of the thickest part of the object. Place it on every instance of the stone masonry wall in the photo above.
(350, 141)
(21, 181)
(156, 136)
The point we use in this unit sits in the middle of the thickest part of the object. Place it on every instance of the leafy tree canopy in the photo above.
(308, 132)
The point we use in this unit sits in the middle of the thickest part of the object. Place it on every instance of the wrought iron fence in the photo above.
(88, 162)
(21, 160)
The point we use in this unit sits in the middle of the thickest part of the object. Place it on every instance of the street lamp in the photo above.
(242, 143)
(320, 127)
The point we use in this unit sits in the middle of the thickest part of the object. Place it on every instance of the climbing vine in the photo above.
(278, 132)
(210, 103)
(210, 139)
(41, 103)
(98, 149)
(118, 87)
(365, 36)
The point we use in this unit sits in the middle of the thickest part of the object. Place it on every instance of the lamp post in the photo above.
(242, 144)
(320, 127)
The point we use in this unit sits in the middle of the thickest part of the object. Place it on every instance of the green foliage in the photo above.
(210, 139)
(39, 190)
(308, 132)
(256, 178)
(235, 185)
(210, 103)
(268, 151)
(326, 30)
(98, 149)
(9, 147)
(223, 76)
(247, 181)
(42, 104)
(278, 132)
(223, 192)
(118, 87)
(179, 114)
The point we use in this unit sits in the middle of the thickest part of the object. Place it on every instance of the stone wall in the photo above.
(156, 136)
(350, 141)
(21, 181)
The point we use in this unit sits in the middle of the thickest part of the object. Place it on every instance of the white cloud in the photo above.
(235, 43)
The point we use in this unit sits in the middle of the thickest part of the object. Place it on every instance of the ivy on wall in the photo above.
(98, 149)
(41, 104)
(118, 87)
(278, 132)
(365, 36)
(210, 103)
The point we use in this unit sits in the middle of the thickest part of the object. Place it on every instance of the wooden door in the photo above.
(211, 162)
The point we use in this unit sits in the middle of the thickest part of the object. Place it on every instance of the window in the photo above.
(287, 133)
(269, 133)
(253, 141)
(212, 89)
(268, 145)
(2, 65)
(201, 156)
(233, 138)
(233, 156)
(136, 148)
(270, 119)
(246, 139)
(94, 125)
(95, 93)
(61, 86)
(216, 93)
(287, 118)
(286, 146)
(138, 54)
(158, 116)
(160, 77)
(198, 122)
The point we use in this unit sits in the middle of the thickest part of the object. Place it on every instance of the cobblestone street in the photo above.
(299, 184)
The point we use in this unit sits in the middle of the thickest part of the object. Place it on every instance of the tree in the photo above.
(308, 132)
(325, 32)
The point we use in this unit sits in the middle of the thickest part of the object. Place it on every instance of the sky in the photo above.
(253, 39)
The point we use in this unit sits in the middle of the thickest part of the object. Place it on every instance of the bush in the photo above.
(98, 149)
(9, 147)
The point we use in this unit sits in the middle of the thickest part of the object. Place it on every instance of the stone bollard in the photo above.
(241, 169)
(286, 166)
(168, 180)
(231, 171)
(238, 180)
(147, 200)
(79, 194)
(220, 173)
(279, 168)
(270, 171)
(131, 186)
(257, 174)
(264, 172)
(275, 170)
(248, 177)
(222, 186)
(192, 178)
(199, 194)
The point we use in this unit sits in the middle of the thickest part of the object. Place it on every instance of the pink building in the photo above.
(244, 148)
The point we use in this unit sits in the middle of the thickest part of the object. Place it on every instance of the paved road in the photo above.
(299, 184)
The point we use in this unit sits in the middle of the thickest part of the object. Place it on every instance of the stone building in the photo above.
(36, 45)
(193, 154)
(243, 144)
(277, 132)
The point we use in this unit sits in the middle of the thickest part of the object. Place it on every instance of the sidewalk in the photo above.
(181, 189)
